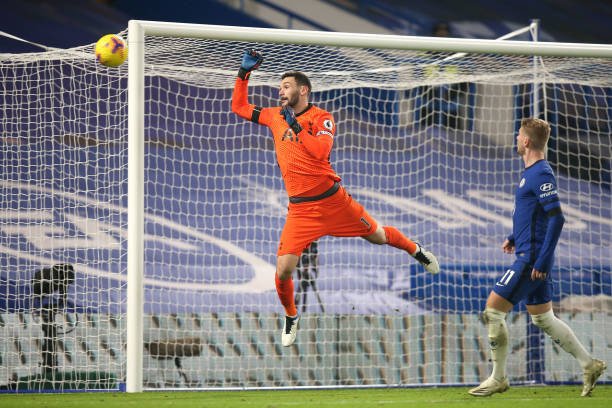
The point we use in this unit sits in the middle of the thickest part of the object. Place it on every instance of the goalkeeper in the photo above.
(537, 222)
(318, 204)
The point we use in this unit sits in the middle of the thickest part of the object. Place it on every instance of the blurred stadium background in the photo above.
(65, 23)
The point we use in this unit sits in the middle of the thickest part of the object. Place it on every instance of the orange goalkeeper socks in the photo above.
(284, 288)
(398, 240)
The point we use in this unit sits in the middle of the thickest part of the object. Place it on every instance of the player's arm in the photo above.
(548, 198)
(240, 103)
(318, 138)
(553, 232)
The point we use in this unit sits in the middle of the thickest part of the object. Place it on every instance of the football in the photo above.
(111, 50)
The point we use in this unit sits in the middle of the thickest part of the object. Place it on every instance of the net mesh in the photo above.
(425, 142)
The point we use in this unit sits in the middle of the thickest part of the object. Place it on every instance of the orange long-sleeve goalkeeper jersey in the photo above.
(302, 158)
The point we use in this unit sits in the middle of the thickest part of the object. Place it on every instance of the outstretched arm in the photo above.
(240, 104)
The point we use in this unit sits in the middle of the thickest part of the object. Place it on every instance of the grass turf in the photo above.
(532, 397)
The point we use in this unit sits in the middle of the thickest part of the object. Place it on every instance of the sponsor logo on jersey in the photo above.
(547, 186)
(329, 125)
(522, 183)
(325, 132)
(548, 193)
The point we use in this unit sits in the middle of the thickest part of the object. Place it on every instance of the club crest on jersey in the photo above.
(329, 125)
(522, 183)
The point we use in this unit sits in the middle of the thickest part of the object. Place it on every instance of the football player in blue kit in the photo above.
(537, 223)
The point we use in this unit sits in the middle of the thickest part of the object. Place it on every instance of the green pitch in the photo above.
(532, 397)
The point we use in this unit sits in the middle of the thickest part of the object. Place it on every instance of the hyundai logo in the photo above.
(547, 186)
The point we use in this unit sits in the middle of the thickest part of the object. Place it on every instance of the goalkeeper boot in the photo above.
(590, 376)
(290, 330)
(427, 259)
(490, 386)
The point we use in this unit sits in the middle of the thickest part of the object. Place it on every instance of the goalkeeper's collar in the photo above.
(305, 110)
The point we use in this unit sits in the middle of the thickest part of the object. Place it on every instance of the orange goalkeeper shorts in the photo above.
(338, 215)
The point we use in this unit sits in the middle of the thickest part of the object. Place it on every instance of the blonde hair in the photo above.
(538, 131)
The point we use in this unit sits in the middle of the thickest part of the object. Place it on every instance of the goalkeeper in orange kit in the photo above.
(318, 204)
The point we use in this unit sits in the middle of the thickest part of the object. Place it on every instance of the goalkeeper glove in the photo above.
(250, 61)
(291, 120)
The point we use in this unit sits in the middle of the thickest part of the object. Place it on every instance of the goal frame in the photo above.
(138, 29)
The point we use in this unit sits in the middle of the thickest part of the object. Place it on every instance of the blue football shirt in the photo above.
(536, 205)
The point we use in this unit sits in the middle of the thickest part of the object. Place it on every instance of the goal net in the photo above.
(425, 142)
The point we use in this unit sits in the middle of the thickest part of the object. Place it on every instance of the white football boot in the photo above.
(290, 330)
(590, 376)
(490, 386)
(427, 259)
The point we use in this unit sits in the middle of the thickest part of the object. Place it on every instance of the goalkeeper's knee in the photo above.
(496, 326)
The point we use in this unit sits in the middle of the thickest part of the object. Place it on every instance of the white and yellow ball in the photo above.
(111, 50)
